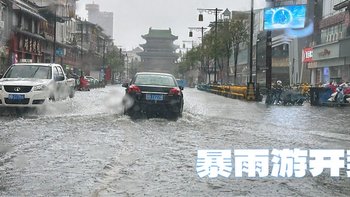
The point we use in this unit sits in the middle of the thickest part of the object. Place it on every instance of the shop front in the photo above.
(329, 65)
(27, 48)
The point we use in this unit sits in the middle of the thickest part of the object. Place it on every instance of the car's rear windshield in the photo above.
(29, 71)
(158, 80)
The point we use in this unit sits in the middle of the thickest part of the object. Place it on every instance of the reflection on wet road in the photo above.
(86, 147)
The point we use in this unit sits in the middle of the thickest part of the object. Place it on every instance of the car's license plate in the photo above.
(154, 97)
(16, 96)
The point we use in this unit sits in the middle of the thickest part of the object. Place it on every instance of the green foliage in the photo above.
(190, 60)
(230, 34)
(115, 59)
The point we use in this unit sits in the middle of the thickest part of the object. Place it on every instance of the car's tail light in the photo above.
(134, 89)
(175, 91)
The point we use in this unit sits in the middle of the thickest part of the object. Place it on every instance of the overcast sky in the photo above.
(133, 18)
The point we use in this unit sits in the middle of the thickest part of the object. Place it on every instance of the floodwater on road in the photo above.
(86, 147)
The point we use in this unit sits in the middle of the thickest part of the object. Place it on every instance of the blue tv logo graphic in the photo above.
(285, 17)
(301, 33)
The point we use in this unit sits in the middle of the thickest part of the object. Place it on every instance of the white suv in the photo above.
(31, 85)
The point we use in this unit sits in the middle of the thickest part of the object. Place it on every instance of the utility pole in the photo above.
(54, 37)
(251, 42)
(216, 10)
(104, 53)
(127, 66)
(202, 47)
(81, 45)
(215, 45)
(269, 53)
(250, 85)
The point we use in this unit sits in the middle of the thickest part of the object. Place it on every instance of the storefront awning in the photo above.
(28, 11)
(30, 34)
(342, 5)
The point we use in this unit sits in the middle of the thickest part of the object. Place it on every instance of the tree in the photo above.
(190, 60)
(239, 33)
(230, 34)
(225, 47)
(207, 51)
(115, 59)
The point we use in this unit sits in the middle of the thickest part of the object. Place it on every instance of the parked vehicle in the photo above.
(94, 83)
(181, 82)
(341, 94)
(292, 97)
(284, 96)
(153, 93)
(31, 85)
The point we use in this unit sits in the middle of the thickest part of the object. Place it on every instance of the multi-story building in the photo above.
(60, 15)
(48, 31)
(159, 51)
(286, 55)
(280, 53)
(103, 19)
(5, 30)
(92, 43)
(331, 55)
(133, 61)
(27, 40)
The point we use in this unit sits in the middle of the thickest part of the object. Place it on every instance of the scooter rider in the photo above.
(84, 83)
(278, 89)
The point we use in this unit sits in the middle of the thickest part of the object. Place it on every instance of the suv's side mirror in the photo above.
(59, 78)
(125, 85)
(181, 87)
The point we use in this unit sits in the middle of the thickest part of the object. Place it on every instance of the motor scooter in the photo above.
(84, 84)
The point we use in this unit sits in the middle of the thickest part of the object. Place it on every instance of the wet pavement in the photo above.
(86, 147)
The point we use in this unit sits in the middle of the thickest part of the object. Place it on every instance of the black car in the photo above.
(153, 93)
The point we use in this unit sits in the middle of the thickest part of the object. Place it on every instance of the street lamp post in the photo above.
(210, 11)
(54, 36)
(250, 86)
(104, 59)
(81, 45)
(104, 53)
(202, 46)
(251, 42)
(127, 66)
(57, 19)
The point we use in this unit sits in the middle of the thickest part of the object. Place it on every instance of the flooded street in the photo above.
(86, 147)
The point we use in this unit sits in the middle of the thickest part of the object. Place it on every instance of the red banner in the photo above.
(108, 73)
(307, 55)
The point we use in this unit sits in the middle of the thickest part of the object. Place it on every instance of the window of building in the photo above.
(328, 8)
(332, 34)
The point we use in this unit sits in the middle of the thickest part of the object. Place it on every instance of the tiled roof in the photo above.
(160, 33)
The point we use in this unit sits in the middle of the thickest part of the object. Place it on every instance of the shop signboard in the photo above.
(308, 55)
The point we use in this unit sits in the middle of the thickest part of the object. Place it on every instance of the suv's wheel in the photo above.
(52, 97)
(71, 93)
